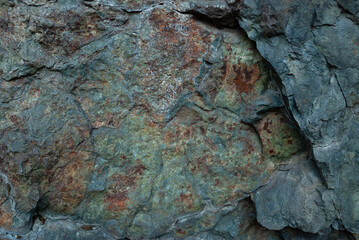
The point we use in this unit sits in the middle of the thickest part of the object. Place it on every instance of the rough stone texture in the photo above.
(155, 119)
(295, 197)
(313, 46)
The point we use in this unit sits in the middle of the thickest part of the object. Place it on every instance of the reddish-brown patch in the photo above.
(246, 76)
(80, 28)
(181, 232)
(267, 126)
(224, 68)
(68, 184)
(169, 138)
(168, 28)
(71, 139)
(200, 164)
(188, 133)
(216, 182)
(116, 199)
(276, 133)
(208, 222)
(5, 219)
(117, 202)
(151, 124)
(183, 42)
(355, 48)
(88, 227)
(187, 200)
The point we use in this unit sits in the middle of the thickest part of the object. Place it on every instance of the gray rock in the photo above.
(296, 197)
(313, 46)
(59, 229)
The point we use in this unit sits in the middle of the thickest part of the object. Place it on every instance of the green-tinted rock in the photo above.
(132, 119)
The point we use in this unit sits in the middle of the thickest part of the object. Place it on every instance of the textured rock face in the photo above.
(313, 46)
(158, 119)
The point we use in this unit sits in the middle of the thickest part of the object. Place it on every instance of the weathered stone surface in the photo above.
(140, 123)
(59, 229)
(241, 224)
(296, 197)
(313, 47)
(280, 139)
(145, 119)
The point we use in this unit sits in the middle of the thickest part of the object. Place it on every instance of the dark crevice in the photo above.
(309, 146)
(228, 21)
(347, 13)
(132, 11)
(29, 74)
(332, 67)
(341, 90)
(39, 208)
(276, 81)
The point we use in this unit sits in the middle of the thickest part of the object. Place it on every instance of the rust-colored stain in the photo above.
(188, 133)
(70, 182)
(181, 232)
(187, 200)
(276, 134)
(82, 29)
(246, 76)
(168, 30)
(117, 202)
(178, 44)
(117, 199)
(5, 219)
(200, 165)
(267, 126)
(168, 137)
(355, 48)
(88, 227)
(216, 182)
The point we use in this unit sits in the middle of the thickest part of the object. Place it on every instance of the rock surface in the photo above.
(313, 46)
(160, 119)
